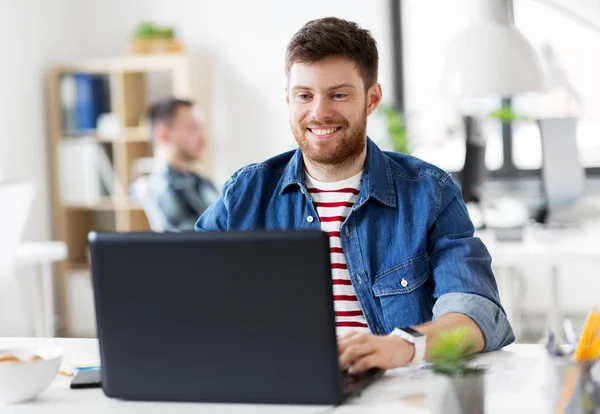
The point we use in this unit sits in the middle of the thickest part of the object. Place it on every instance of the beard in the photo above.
(186, 155)
(340, 150)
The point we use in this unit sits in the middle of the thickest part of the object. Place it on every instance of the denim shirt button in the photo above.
(359, 278)
(310, 219)
(347, 231)
(403, 283)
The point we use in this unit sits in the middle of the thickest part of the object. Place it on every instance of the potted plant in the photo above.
(457, 387)
(149, 38)
(395, 129)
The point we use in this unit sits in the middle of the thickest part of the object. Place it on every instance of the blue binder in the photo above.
(92, 100)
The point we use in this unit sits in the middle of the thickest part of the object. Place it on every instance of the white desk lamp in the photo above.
(489, 58)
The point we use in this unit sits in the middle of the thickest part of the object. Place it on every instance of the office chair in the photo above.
(141, 191)
(16, 198)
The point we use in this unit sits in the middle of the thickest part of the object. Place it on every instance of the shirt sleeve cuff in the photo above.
(490, 318)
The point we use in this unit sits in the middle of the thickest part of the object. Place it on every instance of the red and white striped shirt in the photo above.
(334, 202)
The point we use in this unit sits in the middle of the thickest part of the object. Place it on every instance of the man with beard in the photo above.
(178, 194)
(405, 263)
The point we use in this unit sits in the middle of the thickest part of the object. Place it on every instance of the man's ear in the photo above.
(374, 95)
(287, 96)
(161, 134)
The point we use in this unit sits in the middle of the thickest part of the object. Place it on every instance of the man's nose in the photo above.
(322, 109)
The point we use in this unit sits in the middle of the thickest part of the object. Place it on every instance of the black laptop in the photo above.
(218, 317)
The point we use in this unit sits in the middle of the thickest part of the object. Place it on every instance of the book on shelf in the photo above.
(86, 172)
(83, 98)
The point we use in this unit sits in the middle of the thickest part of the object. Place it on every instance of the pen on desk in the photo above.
(551, 345)
(570, 335)
(589, 337)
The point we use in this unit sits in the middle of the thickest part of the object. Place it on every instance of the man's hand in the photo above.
(359, 352)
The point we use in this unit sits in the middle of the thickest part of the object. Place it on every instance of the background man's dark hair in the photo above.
(163, 111)
(330, 36)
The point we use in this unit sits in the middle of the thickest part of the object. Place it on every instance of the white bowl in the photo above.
(23, 381)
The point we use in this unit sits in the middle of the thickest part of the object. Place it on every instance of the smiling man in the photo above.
(405, 263)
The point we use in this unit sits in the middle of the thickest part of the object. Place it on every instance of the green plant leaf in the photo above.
(166, 33)
(451, 351)
(506, 114)
(146, 30)
(396, 128)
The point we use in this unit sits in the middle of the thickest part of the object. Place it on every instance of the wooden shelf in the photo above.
(79, 266)
(132, 134)
(129, 63)
(129, 80)
(106, 204)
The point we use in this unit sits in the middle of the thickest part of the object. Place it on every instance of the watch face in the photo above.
(412, 332)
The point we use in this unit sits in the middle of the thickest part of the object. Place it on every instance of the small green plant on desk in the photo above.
(451, 353)
(457, 387)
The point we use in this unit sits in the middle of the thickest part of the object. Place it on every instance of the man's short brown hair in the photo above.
(331, 36)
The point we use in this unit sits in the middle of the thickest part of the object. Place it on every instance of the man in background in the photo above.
(178, 194)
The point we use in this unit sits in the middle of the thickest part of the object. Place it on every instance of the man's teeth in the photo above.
(324, 131)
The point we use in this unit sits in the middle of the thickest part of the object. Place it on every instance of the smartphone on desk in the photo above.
(86, 379)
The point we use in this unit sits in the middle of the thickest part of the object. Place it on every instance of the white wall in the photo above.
(27, 39)
(246, 41)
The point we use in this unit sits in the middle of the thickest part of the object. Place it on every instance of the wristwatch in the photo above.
(416, 338)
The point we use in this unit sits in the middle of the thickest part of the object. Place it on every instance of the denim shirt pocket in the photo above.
(401, 293)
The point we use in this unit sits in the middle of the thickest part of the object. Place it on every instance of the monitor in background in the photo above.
(474, 171)
(563, 176)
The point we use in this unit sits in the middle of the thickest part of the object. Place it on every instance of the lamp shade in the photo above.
(491, 59)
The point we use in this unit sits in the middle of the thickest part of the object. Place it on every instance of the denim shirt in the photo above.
(408, 241)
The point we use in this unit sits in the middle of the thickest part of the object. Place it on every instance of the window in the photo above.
(570, 52)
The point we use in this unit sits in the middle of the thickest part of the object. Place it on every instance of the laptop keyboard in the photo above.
(352, 385)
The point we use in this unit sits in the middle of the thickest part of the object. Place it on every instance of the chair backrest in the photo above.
(141, 191)
(15, 202)
(16, 198)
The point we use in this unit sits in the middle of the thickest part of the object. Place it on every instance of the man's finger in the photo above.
(355, 351)
(366, 362)
(351, 338)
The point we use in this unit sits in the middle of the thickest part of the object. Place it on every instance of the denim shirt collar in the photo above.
(377, 178)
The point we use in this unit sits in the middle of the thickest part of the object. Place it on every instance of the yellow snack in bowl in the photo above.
(8, 358)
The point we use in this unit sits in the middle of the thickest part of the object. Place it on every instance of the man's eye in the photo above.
(339, 95)
(304, 96)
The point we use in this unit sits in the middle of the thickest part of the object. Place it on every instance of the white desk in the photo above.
(514, 384)
(42, 255)
(547, 250)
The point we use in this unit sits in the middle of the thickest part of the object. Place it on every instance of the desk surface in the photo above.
(41, 252)
(514, 384)
(546, 245)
